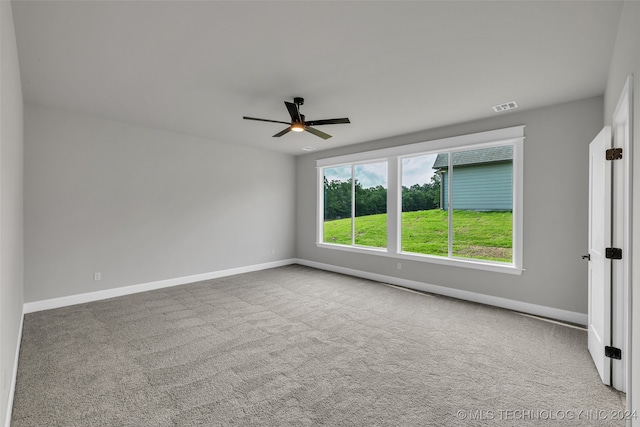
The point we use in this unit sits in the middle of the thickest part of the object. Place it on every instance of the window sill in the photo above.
(495, 267)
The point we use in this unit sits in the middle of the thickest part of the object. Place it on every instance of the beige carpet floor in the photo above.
(295, 346)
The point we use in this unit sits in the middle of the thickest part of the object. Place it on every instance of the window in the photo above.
(455, 201)
(355, 205)
(481, 203)
(479, 224)
(338, 204)
(425, 224)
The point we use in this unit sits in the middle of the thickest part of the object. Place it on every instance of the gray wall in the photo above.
(140, 205)
(555, 210)
(625, 61)
(11, 203)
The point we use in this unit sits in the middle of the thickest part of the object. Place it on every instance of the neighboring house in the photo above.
(482, 179)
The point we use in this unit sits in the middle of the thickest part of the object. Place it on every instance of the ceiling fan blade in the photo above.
(293, 111)
(327, 122)
(264, 120)
(282, 132)
(316, 132)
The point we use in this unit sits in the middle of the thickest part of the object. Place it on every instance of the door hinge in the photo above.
(613, 352)
(613, 253)
(614, 154)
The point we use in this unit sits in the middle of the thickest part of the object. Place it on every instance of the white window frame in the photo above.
(353, 201)
(393, 156)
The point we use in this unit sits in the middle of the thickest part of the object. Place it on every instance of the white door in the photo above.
(599, 267)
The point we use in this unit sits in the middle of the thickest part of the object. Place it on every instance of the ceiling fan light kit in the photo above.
(297, 127)
(298, 122)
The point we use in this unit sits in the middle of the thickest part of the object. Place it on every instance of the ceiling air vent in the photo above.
(504, 107)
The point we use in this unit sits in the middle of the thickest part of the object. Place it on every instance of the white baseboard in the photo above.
(14, 376)
(31, 307)
(537, 310)
(524, 307)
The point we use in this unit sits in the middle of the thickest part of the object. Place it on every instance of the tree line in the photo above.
(373, 200)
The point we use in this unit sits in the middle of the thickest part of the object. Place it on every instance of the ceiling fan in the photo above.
(298, 123)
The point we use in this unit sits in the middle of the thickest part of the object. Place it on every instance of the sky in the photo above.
(415, 170)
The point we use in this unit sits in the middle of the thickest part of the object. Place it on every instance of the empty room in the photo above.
(300, 213)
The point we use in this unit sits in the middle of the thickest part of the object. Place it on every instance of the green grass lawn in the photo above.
(478, 235)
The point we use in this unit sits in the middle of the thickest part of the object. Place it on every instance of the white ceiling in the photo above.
(391, 67)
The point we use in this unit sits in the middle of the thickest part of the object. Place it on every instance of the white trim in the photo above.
(14, 376)
(517, 243)
(450, 177)
(629, 269)
(31, 307)
(433, 259)
(320, 206)
(525, 307)
(498, 135)
(544, 319)
(353, 206)
(622, 120)
(394, 205)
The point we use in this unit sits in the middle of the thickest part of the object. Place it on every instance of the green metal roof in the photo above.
(474, 157)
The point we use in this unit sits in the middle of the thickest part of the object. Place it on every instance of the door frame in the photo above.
(622, 137)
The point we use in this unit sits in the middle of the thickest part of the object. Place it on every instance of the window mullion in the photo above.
(394, 206)
(450, 203)
(320, 213)
(353, 205)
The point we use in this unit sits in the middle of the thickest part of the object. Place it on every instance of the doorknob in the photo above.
(587, 257)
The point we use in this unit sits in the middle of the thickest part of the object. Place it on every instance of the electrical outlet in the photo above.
(399, 266)
(97, 276)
